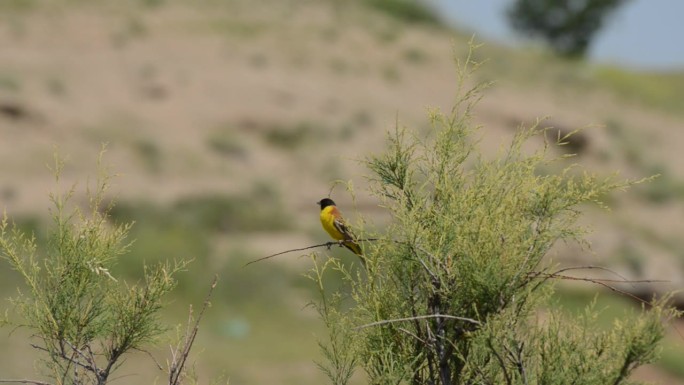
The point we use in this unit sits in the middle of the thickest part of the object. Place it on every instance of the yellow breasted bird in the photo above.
(334, 224)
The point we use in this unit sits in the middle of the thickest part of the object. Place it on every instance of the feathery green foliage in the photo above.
(82, 317)
(453, 291)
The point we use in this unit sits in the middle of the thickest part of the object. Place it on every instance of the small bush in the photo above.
(83, 318)
(451, 291)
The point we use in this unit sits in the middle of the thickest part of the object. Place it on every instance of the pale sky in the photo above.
(643, 34)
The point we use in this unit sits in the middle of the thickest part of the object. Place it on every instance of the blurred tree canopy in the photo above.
(567, 25)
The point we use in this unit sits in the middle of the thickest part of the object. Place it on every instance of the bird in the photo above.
(335, 225)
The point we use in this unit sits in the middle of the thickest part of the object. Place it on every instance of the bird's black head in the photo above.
(325, 202)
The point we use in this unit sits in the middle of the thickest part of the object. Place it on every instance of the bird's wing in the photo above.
(342, 227)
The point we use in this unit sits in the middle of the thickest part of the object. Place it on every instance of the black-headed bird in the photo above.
(335, 225)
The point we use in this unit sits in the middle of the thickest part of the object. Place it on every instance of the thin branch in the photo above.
(63, 356)
(480, 373)
(562, 276)
(327, 244)
(90, 352)
(39, 347)
(430, 353)
(429, 254)
(527, 256)
(388, 321)
(24, 381)
(178, 363)
(341, 244)
(556, 274)
(601, 282)
(518, 359)
(434, 277)
(92, 365)
(159, 366)
(501, 362)
(412, 335)
(594, 267)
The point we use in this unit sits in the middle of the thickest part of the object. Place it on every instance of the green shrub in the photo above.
(452, 290)
(83, 318)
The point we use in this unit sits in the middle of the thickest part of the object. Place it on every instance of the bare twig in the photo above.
(327, 244)
(501, 362)
(413, 335)
(425, 266)
(517, 357)
(389, 321)
(432, 364)
(599, 281)
(341, 244)
(429, 254)
(523, 266)
(24, 381)
(92, 355)
(65, 357)
(180, 355)
(91, 364)
(479, 372)
(39, 347)
(594, 267)
(562, 276)
(602, 282)
(159, 366)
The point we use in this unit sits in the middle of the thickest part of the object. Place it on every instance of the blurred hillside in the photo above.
(227, 121)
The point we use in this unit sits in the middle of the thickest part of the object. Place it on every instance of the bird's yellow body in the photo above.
(335, 226)
(328, 216)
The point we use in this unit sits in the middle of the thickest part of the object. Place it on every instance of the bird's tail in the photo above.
(354, 247)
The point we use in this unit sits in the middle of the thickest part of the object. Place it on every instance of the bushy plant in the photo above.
(82, 318)
(455, 290)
